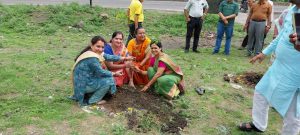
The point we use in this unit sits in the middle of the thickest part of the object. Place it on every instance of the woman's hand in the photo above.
(136, 69)
(259, 57)
(293, 39)
(128, 64)
(118, 73)
(145, 88)
(129, 58)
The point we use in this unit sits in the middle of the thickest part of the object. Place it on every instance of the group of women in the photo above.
(102, 67)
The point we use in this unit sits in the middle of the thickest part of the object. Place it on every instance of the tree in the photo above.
(213, 6)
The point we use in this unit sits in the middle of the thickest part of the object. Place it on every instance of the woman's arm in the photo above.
(158, 74)
(147, 57)
(112, 66)
(96, 68)
(113, 58)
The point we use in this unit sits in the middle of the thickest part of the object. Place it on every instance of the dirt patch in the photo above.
(207, 40)
(145, 110)
(39, 17)
(247, 78)
(34, 130)
(62, 128)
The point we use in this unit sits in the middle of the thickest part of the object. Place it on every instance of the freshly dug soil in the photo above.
(132, 102)
(248, 78)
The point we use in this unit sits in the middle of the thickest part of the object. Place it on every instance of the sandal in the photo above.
(248, 127)
(200, 91)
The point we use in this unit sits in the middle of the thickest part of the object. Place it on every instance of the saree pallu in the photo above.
(139, 52)
(169, 85)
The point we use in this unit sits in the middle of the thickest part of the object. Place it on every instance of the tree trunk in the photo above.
(213, 6)
(91, 3)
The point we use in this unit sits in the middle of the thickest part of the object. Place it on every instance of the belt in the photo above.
(256, 20)
(195, 17)
(133, 22)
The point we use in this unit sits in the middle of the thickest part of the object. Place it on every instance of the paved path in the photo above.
(148, 4)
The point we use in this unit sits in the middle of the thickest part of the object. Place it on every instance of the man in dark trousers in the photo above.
(194, 13)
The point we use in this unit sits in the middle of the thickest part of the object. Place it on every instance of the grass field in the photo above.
(37, 48)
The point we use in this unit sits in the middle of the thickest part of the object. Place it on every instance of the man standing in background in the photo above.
(228, 10)
(259, 22)
(135, 17)
(194, 12)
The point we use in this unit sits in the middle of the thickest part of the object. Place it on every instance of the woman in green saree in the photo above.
(165, 76)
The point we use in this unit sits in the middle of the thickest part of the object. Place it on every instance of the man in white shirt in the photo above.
(194, 13)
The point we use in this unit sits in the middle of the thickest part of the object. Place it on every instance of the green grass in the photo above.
(37, 48)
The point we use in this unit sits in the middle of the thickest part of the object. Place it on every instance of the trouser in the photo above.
(228, 30)
(132, 30)
(194, 25)
(291, 124)
(95, 95)
(256, 32)
(245, 41)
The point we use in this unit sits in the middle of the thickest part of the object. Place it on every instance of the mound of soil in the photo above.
(248, 78)
(151, 105)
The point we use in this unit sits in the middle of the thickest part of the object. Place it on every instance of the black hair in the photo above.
(158, 43)
(94, 40)
(137, 29)
(115, 34)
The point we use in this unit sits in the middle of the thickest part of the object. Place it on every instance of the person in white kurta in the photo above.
(280, 85)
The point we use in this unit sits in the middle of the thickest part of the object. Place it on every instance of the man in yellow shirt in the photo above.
(135, 17)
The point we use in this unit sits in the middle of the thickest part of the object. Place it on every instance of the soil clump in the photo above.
(145, 111)
(247, 78)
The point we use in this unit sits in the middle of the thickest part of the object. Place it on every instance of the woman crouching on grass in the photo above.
(116, 47)
(90, 77)
(165, 76)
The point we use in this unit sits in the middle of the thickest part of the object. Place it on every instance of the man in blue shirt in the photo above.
(228, 10)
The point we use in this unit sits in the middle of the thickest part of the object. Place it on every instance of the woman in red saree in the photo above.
(116, 47)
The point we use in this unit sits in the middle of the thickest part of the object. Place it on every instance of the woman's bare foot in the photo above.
(131, 84)
(101, 102)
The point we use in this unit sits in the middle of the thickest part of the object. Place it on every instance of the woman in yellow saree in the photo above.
(165, 76)
(140, 49)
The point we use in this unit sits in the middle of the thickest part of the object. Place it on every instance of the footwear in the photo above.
(241, 48)
(248, 127)
(200, 91)
(196, 51)
(248, 55)
(214, 52)
(226, 53)
(186, 51)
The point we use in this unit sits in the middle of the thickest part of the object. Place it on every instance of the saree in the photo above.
(169, 85)
(139, 52)
(122, 52)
